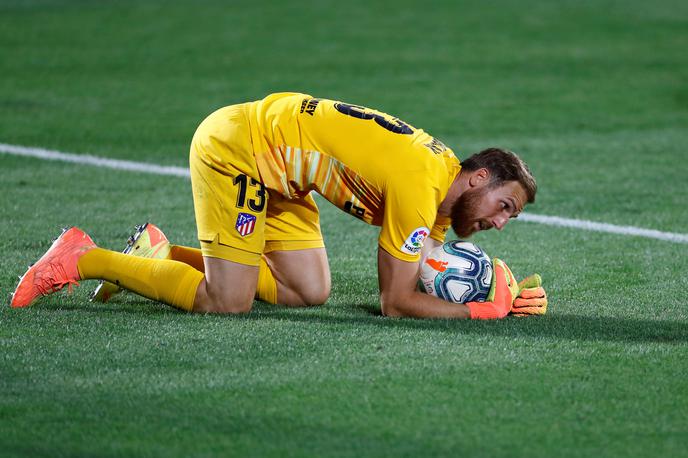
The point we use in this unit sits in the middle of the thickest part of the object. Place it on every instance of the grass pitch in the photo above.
(592, 94)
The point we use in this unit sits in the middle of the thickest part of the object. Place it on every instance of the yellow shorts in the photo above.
(237, 217)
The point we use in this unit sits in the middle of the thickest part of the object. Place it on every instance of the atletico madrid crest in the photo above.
(245, 224)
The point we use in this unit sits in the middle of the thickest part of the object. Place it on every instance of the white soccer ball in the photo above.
(457, 272)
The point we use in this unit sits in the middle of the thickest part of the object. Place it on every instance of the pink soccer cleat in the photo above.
(56, 269)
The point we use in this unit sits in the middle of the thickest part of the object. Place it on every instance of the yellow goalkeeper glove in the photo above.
(531, 298)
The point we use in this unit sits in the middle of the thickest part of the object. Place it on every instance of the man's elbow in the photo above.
(390, 305)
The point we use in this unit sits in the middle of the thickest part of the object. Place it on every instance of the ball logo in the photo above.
(439, 266)
(414, 242)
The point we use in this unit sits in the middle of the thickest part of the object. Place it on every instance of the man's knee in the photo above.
(303, 276)
(227, 287)
(220, 300)
(315, 293)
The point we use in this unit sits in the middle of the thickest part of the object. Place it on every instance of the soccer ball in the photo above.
(457, 272)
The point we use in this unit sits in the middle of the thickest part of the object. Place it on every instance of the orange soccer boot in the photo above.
(148, 241)
(56, 269)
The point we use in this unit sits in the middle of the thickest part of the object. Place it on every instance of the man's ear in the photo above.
(479, 178)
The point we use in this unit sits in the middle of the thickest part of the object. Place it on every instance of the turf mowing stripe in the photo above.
(143, 167)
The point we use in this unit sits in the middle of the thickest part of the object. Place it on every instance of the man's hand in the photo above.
(501, 297)
(531, 299)
(398, 296)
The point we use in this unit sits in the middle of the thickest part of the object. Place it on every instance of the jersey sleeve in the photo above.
(410, 211)
(440, 228)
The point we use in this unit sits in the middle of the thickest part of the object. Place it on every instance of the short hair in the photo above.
(503, 166)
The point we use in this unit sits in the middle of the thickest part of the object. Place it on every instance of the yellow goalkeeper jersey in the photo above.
(368, 163)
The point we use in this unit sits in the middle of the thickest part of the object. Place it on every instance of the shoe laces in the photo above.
(56, 279)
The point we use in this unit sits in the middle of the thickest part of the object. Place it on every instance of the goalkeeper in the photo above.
(253, 168)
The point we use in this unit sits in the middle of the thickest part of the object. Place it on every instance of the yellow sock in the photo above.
(267, 285)
(187, 255)
(171, 282)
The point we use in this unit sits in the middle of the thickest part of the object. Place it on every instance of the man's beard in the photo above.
(464, 209)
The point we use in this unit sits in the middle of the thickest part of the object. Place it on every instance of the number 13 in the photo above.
(243, 182)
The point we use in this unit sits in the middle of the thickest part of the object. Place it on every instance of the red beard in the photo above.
(464, 211)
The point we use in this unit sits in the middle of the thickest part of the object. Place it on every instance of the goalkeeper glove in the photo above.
(531, 298)
(501, 297)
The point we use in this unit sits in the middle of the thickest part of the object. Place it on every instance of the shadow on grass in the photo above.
(558, 326)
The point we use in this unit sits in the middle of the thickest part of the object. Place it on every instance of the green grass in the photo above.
(592, 94)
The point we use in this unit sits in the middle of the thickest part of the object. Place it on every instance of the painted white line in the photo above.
(86, 159)
(603, 227)
(143, 167)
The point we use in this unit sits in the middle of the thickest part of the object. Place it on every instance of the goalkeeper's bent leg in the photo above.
(172, 282)
(187, 255)
(267, 285)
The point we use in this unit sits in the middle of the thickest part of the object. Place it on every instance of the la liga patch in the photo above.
(414, 242)
(245, 224)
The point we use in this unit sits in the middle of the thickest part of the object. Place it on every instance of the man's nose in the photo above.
(500, 221)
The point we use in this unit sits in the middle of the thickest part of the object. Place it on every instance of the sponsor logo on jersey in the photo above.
(414, 242)
(309, 106)
(436, 146)
(245, 224)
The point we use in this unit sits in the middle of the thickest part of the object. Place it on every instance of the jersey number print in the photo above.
(256, 204)
(395, 125)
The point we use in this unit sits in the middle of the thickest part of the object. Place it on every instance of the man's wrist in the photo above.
(486, 311)
(420, 305)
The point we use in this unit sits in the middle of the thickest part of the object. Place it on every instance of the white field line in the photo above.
(603, 227)
(143, 167)
(86, 159)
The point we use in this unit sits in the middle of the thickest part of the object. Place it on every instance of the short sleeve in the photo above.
(440, 228)
(410, 211)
